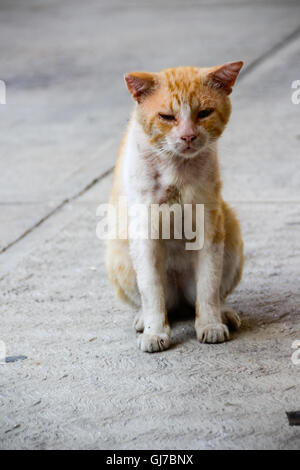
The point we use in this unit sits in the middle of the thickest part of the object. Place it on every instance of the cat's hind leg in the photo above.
(121, 272)
(138, 322)
(233, 261)
(230, 318)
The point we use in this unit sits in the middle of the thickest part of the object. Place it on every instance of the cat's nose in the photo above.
(188, 138)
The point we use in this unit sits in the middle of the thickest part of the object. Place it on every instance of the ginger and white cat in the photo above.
(169, 154)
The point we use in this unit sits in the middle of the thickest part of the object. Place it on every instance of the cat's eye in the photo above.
(167, 117)
(205, 113)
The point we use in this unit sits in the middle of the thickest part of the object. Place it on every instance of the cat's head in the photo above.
(183, 110)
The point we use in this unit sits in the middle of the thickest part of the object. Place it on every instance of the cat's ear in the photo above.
(224, 76)
(140, 84)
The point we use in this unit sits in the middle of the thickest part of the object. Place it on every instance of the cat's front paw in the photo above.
(153, 343)
(212, 333)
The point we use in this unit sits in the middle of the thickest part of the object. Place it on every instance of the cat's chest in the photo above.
(168, 188)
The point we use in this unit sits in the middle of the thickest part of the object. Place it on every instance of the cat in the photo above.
(169, 154)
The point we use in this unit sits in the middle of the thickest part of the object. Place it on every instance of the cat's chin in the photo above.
(190, 153)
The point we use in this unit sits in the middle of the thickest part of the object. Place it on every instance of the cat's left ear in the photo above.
(224, 76)
(140, 84)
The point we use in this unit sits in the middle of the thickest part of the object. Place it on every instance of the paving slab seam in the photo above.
(248, 69)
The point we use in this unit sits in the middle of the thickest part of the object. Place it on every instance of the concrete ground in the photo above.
(74, 377)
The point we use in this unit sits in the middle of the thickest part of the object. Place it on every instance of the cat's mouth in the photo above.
(189, 151)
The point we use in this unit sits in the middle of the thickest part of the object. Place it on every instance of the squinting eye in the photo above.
(205, 112)
(167, 117)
